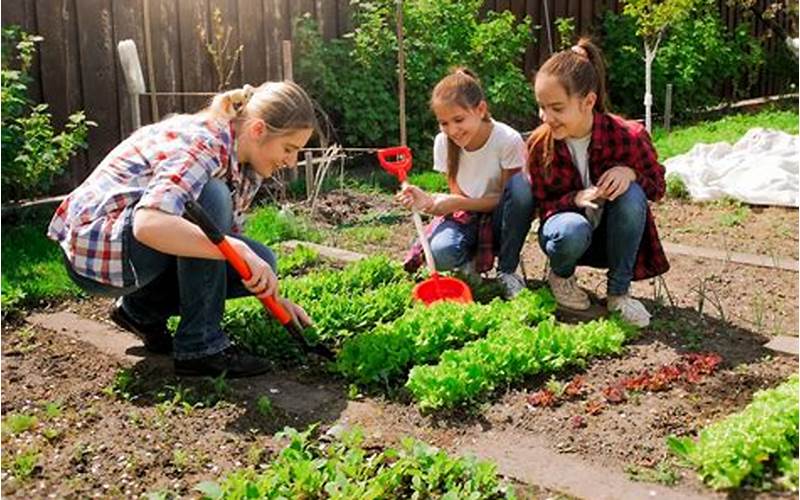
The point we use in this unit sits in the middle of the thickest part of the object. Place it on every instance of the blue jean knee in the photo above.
(564, 238)
(512, 221)
(452, 244)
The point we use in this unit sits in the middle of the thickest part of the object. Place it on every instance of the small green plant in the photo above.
(663, 473)
(17, 423)
(264, 406)
(364, 235)
(555, 386)
(53, 409)
(676, 188)
(122, 386)
(51, 434)
(271, 225)
(33, 152)
(180, 459)
(565, 26)
(735, 217)
(25, 464)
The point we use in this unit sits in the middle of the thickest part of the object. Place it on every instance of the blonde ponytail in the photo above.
(232, 103)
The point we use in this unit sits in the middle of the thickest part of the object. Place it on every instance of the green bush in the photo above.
(698, 56)
(355, 78)
(33, 152)
(676, 188)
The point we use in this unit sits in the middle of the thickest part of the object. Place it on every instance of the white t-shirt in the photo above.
(480, 172)
(579, 149)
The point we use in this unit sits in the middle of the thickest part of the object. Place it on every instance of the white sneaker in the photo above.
(567, 292)
(512, 284)
(630, 309)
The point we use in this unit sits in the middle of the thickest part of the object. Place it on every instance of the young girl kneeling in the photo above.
(590, 174)
(478, 155)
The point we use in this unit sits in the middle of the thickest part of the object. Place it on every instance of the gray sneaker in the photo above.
(512, 284)
(630, 309)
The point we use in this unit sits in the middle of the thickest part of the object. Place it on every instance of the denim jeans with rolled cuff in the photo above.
(159, 285)
(568, 240)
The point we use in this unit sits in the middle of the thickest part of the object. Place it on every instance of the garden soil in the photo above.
(125, 445)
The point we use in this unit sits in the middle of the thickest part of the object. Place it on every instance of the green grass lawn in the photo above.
(729, 128)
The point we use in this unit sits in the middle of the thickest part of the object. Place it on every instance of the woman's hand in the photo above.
(299, 315)
(263, 282)
(414, 198)
(615, 181)
(585, 198)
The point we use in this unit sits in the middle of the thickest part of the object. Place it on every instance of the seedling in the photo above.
(17, 423)
(53, 409)
(25, 464)
(264, 406)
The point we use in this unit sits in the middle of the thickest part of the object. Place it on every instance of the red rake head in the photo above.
(396, 161)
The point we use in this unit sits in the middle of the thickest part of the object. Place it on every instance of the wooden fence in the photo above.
(76, 66)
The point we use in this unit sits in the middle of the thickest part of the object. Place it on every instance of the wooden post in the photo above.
(401, 73)
(288, 74)
(287, 60)
(309, 158)
(134, 81)
(668, 107)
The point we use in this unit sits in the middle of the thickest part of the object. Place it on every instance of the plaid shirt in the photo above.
(159, 166)
(614, 142)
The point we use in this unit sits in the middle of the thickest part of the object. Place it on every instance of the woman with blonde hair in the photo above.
(123, 234)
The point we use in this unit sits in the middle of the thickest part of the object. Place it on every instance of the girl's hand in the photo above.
(263, 282)
(299, 315)
(585, 198)
(413, 197)
(443, 204)
(615, 181)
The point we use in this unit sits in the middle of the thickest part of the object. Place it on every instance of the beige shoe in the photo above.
(567, 292)
(630, 309)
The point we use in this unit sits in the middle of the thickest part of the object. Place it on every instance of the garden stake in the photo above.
(397, 161)
(196, 214)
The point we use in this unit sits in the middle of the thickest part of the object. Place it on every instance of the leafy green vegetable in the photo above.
(755, 445)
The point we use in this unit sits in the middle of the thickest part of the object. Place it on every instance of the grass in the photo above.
(33, 269)
(729, 128)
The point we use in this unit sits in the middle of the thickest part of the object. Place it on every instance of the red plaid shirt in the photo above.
(614, 142)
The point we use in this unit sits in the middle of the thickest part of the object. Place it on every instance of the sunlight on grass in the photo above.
(729, 129)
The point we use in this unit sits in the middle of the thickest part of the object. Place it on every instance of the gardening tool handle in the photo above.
(426, 245)
(196, 214)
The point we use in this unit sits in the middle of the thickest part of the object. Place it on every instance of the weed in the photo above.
(735, 218)
(122, 386)
(51, 434)
(663, 473)
(25, 464)
(17, 423)
(220, 389)
(366, 234)
(264, 406)
(53, 409)
(676, 188)
(180, 460)
(556, 387)
(27, 340)
(255, 454)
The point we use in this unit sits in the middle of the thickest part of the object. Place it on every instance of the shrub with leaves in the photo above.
(697, 56)
(355, 78)
(307, 468)
(758, 445)
(33, 151)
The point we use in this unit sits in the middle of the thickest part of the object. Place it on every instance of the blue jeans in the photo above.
(512, 221)
(164, 285)
(452, 244)
(568, 239)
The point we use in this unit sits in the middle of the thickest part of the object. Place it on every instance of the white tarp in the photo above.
(762, 168)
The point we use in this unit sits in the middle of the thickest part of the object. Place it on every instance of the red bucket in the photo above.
(438, 288)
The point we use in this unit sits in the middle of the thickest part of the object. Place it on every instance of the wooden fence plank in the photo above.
(344, 17)
(252, 36)
(197, 71)
(166, 54)
(98, 66)
(532, 50)
(327, 15)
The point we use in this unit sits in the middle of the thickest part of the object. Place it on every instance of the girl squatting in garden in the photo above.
(123, 234)
(590, 174)
(478, 155)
